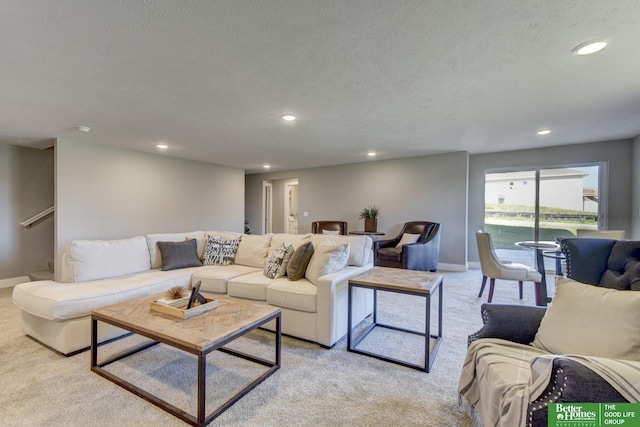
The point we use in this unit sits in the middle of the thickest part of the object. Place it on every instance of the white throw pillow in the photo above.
(360, 252)
(253, 250)
(101, 259)
(327, 259)
(591, 321)
(333, 232)
(407, 239)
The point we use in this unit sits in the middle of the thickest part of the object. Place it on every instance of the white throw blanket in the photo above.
(500, 378)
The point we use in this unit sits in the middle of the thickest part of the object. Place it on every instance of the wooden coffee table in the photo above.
(412, 282)
(199, 335)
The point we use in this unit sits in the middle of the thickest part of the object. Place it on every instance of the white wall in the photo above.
(429, 188)
(26, 189)
(109, 193)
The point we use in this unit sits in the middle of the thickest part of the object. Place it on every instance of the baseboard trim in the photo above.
(451, 267)
(11, 282)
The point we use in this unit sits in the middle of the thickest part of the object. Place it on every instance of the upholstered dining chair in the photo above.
(416, 247)
(329, 227)
(493, 269)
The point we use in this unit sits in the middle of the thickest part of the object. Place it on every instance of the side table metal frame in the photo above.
(430, 353)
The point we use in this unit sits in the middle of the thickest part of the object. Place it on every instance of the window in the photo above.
(541, 204)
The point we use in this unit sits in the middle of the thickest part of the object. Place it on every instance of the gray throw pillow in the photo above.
(179, 254)
(299, 261)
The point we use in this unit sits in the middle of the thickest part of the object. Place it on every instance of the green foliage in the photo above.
(371, 211)
(246, 227)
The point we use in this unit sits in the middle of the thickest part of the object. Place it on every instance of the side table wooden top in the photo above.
(398, 279)
(198, 333)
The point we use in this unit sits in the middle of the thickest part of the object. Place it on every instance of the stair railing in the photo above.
(29, 222)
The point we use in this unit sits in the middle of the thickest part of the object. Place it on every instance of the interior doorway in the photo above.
(291, 206)
(267, 207)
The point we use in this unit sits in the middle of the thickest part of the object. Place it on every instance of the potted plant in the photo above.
(370, 216)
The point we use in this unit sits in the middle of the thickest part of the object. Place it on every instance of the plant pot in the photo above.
(371, 225)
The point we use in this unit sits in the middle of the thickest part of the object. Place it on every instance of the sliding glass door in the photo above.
(540, 204)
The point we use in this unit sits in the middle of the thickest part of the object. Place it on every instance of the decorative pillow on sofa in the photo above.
(407, 239)
(299, 260)
(334, 232)
(220, 252)
(179, 254)
(276, 265)
(591, 321)
(327, 259)
(253, 250)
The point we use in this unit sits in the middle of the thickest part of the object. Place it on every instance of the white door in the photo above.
(267, 203)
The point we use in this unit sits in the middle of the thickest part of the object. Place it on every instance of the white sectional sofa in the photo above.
(98, 273)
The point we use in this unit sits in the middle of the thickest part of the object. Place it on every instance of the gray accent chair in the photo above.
(422, 255)
(598, 262)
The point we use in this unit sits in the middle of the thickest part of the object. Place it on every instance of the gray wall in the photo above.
(109, 193)
(26, 189)
(635, 189)
(617, 154)
(432, 188)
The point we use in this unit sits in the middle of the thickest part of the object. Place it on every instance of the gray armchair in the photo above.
(591, 261)
(422, 255)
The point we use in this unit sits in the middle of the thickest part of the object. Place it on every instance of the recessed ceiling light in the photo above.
(587, 48)
(266, 166)
(288, 117)
(83, 128)
(544, 132)
(162, 146)
(371, 153)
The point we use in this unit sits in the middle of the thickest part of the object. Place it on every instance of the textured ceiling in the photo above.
(402, 78)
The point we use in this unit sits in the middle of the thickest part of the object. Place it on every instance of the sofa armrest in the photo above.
(571, 382)
(332, 307)
(517, 323)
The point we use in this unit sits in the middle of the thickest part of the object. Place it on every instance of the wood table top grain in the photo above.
(198, 334)
(398, 279)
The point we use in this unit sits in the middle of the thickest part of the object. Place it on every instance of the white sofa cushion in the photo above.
(360, 247)
(250, 286)
(253, 250)
(224, 235)
(326, 259)
(153, 239)
(61, 301)
(299, 295)
(592, 321)
(100, 259)
(214, 279)
(294, 240)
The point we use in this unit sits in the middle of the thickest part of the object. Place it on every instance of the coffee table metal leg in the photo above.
(202, 375)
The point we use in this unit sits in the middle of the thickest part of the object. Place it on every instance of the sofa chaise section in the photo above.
(58, 313)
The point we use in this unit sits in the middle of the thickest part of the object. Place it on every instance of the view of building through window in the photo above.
(540, 204)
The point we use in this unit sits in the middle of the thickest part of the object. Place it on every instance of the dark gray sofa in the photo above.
(598, 262)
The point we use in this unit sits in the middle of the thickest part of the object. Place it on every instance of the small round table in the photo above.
(540, 247)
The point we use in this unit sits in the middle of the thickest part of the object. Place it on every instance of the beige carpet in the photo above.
(314, 387)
